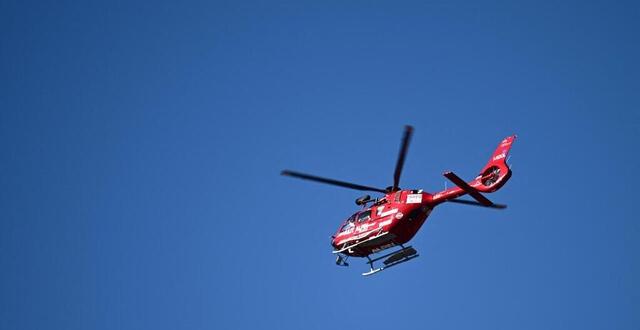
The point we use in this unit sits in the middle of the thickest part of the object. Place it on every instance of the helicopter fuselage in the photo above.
(389, 221)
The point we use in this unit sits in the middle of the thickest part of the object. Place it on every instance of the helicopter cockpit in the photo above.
(358, 217)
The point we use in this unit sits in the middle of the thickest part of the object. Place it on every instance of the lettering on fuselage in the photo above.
(414, 198)
(363, 227)
(500, 156)
(383, 247)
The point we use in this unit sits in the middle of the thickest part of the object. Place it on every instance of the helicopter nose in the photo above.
(332, 242)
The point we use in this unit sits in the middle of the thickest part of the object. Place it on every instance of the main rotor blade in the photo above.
(474, 203)
(408, 131)
(331, 181)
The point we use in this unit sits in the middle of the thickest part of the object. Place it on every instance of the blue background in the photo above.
(142, 144)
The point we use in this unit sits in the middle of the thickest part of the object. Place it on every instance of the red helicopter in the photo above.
(393, 219)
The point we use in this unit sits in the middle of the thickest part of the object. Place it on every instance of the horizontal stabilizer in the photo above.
(474, 203)
(468, 189)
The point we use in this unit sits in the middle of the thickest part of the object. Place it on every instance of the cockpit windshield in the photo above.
(350, 223)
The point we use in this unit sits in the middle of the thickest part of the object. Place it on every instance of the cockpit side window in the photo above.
(364, 216)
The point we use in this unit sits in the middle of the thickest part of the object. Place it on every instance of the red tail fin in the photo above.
(496, 173)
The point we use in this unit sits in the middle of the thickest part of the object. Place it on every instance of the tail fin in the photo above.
(496, 172)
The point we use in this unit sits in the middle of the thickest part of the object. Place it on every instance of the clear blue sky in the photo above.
(142, 144)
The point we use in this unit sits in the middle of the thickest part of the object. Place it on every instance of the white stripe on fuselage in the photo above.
(384, 214)
(384, 223)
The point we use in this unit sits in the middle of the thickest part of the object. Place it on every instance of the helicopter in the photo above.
(393, 219)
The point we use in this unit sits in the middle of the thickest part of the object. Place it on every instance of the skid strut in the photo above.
(394, 258)
(342, 260)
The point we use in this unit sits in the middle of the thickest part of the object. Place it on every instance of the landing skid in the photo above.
(394, 258)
